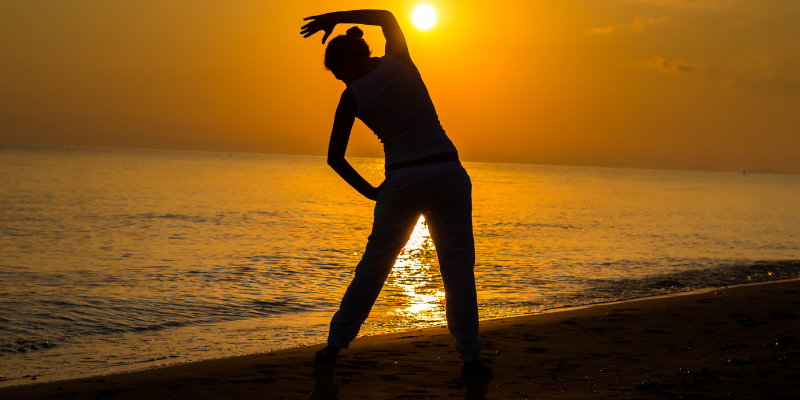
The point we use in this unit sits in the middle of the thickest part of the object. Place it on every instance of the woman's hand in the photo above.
(375, 191)
(324, 22)
(395, 41)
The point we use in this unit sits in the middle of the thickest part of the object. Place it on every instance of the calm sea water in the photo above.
(114, 260)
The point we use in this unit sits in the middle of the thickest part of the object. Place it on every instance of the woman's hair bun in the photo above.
(352, 45)
(355, 31)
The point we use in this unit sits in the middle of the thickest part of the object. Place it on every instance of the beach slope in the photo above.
(739, 342)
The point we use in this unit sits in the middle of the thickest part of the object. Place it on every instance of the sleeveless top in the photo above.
(394, 103)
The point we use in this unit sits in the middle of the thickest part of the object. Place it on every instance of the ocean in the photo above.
(115, 259)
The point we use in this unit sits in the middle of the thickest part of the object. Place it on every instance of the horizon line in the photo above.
(762, 170)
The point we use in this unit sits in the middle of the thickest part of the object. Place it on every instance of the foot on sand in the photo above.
(475, 368)
(328, 354)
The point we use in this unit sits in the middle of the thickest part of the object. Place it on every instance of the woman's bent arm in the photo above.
(340, 135)
(395, 40)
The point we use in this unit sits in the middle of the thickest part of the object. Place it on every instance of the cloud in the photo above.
(748, 65)
(638, 24)
(602, 31)
(693, 4)
(653, 21)
(752, 64)
(676, 66)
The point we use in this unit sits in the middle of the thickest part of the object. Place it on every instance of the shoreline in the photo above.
(398, 363)
(658, 296)
(123, 370)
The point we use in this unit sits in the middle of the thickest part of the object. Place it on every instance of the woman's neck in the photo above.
(364, 68)
(369, 65)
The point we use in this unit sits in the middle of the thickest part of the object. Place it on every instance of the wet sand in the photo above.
(740, 342)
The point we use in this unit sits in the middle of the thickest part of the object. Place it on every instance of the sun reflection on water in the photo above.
(415, 284)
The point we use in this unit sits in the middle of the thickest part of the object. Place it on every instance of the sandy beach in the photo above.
(738, 342)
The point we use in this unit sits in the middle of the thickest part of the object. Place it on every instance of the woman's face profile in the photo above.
(348, 68)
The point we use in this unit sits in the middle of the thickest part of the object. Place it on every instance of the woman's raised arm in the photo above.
(395, 40)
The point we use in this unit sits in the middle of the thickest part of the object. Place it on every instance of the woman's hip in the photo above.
(415, 189)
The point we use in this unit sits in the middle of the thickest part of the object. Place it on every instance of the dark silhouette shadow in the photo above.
(324, 388)
(423, 175)
(477, 386)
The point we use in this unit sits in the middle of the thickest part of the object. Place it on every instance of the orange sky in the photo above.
(687, 84)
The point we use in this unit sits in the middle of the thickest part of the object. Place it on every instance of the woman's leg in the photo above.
(450, 223)
(396, 213)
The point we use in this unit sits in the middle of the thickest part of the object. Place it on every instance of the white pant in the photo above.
(443, 194)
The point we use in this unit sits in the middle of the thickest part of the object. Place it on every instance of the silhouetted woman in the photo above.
(423, 176)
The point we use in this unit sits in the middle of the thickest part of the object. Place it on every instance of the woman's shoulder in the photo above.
(391, 63)
(395, 61)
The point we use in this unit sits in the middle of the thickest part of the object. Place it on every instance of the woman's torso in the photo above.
(393, 101)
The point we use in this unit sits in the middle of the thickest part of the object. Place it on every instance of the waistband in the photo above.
(434, 159)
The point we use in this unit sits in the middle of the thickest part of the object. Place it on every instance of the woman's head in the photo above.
(346, 53)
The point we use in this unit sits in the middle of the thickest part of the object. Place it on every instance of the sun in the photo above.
(424, 17)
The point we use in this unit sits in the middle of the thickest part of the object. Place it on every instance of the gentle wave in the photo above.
(147, 256)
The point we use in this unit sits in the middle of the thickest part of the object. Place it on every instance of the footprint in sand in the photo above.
(536, 350)
(359, 365)
(198, 381)
(257, 380)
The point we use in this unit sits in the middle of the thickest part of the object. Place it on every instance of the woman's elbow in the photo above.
(335, 161)
(388, 17)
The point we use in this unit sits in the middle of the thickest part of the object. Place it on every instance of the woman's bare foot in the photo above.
(474, 368)
(328, 354)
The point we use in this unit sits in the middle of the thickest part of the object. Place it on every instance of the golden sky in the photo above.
(687, 84)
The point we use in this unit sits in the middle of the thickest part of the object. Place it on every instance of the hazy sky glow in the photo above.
(703, 84)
